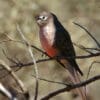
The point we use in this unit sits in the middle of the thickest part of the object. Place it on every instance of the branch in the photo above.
(90, 67)
(50, 81)
(79, 57)
(33, 60)
(98, 44)
(83, 48)
(71, 87)
(5, 92)
(17, 80)
(38, 61)
(49, 59)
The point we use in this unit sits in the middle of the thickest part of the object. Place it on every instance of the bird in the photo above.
(56, 42)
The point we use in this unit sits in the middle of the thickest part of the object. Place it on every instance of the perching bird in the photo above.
(57, 42)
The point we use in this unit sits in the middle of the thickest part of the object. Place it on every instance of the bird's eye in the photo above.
(43, 17)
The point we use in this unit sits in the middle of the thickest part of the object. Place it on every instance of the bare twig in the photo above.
(49, 59)
(33, 59)
(96, 49)
(83, 48)
(90, 67)
(10, 59)
(71, 87)
(77, 57)
(98, 44)
(38, 49)
(47, 80)
(20, 65)
(18, 81)
(7, 93)
(22, 42)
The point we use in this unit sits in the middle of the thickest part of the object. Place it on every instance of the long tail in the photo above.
(74, 77)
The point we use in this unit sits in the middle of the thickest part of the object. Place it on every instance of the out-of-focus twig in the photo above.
(98, 44)
(17, 80)
(83, 48)
(33, 59)
(76, 57)
(10, 59)
(7, 93)
(90, 67)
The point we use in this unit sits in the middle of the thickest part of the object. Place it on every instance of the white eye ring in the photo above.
(43, 17)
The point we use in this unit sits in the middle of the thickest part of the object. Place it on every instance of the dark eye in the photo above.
(43, 17)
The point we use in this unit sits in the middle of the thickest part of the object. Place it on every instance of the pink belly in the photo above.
(49, 49)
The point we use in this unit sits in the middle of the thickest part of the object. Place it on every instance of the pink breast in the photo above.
(49, 49)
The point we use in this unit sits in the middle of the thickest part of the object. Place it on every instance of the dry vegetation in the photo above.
(13, 12)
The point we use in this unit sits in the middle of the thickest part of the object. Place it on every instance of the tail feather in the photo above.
(75, 79)
(73, 74)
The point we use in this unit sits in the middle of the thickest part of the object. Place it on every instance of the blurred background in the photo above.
(22, 12)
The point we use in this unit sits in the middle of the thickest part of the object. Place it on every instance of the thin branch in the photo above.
(96, 49)
(77, 57)
(20, 65)
(49, 59)
(10, 59)
(5, 92)
(38, 49)
(83, 48)
(22, 42)
(90, 67)
(47, 80)
(18, 81)
(98, 44)
(71, 87)
(33, 59)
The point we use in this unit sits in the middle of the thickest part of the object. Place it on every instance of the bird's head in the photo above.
(43, 18)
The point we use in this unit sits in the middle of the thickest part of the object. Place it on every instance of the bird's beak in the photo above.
(37, 18)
